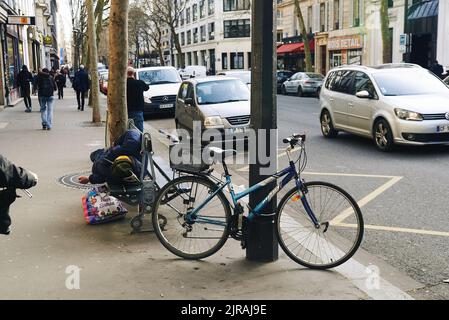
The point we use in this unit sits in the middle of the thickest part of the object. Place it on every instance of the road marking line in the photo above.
(397, 229)
(363, 202)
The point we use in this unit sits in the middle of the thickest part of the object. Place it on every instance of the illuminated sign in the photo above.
(21, 20)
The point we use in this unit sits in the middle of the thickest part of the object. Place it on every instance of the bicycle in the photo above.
(309, 222)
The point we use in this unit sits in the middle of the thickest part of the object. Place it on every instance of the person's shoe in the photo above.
(27, 110)
(44, 128)
(5, 232)
(48, 129)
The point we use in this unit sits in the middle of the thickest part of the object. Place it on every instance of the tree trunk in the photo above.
(385, 28)
(99, 16)
(93, 61)
(305, 39)
(118, 57)
(177, 46)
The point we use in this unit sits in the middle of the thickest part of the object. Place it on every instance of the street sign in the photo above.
(21, 20)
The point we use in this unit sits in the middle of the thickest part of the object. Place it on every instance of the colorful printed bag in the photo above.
(101, 208)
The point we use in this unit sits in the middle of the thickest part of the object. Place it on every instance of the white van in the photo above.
(164, 85)
(193, 72)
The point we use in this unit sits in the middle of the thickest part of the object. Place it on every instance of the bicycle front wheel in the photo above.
(185, 239)
(341, 226)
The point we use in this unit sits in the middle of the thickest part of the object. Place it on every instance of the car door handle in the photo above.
(351, 105)
(332, 99)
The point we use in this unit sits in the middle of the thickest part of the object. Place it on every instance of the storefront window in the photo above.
(11, 62)
(355, 57)
(335, 59)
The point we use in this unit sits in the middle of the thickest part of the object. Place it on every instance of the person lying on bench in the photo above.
(105, 167)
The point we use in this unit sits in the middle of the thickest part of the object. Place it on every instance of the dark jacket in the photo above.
(134, 94)
(128, 144)
(81, 81)
(438, 70)
(24, 78)
(46, 85)
(61, 80)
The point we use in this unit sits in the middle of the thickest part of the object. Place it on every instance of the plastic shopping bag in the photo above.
(101, 208)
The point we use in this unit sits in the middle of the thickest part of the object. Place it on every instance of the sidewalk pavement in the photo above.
(49, 235)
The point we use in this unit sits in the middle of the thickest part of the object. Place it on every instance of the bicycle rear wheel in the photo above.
(341, 226)
(196, 240)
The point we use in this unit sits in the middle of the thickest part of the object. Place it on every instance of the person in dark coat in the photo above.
(23, 81)
(134, 97)
(61, 80)
(81, 86)
(437, 69)
(46, 86)
(12, 177)
(129, 144)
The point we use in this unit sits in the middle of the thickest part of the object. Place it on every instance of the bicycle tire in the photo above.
(161, 233)
(283, 222)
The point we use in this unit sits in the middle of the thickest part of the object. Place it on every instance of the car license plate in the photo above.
(442, 129)
(236, 130)
(166, 106)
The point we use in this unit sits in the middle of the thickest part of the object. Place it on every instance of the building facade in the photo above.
(216, 34)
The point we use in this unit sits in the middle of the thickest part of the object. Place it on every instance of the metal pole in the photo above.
(262, 244)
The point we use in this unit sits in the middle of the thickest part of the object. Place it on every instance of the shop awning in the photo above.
(294, 48)
(424, 9)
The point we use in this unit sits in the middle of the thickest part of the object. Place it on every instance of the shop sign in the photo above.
(21, 20)
(48, 41)
(345, 43)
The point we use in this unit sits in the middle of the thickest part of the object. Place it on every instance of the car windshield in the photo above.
(244, 76)
(408, 82)
(315, 76)
(161, 76)
(221, 91)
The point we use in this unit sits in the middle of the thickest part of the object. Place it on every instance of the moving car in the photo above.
(217, 102)
(104, 83)
(193, 72)
(391, 104)
(164, 85)
(302, 83)
(281, 77)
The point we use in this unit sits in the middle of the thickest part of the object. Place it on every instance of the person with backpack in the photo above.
(12, 177)
(46, 86)
(23, 80)
(81, 86)
(60, 82)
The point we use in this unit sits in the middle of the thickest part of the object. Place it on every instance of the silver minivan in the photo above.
(392, 104)
(220, 103)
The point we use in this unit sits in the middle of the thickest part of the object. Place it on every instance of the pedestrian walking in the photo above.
(81, 86)
(34, 82)
(61, 80)
(134, 97)
(24, 79)
(12, 177)
(437, 69)
(46, 86)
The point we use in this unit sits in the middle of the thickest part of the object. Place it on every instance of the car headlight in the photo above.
(148, 100)
(408, 115)
(213, 122)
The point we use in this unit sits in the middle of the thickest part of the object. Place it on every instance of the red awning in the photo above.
(294, 48)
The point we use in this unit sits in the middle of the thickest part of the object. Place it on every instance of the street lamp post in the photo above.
(262, 244)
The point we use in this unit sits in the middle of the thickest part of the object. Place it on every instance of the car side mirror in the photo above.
(188, 102)
(364, 94)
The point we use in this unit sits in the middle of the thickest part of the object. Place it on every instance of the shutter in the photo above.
(316, 18)
(330, 12)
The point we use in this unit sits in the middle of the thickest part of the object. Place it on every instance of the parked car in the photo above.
(193, 72)
(217, 102)
(302, 83)
(164, 85)
(281, 77)
(245, 76)
(391, 104)
(104, 83)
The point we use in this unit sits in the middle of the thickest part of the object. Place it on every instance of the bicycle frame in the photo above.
(288, 173)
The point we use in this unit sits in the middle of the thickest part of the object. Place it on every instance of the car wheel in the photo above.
(284, 92)
(383, 136)
(327, 128)
(300, 93)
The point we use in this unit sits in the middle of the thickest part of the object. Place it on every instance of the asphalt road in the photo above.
(404, 194)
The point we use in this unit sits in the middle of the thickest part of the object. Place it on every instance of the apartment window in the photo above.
(188, 15)
(189, 37)
(322, 17)
(203, 33)
(182, 18)
(279, 36)
(211, 6)
(337, 23)
(249, 60)
(195, 12)
(237, 28)
(183, 39)
(202, 9)
(224, 61)
(195, 35)
(309, 19)
(237, 60)
(235, 5)
(356, 13)
(211, 29)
